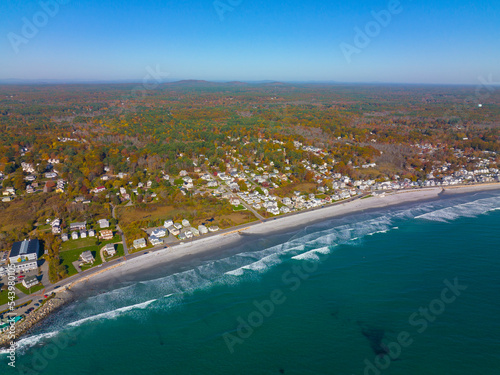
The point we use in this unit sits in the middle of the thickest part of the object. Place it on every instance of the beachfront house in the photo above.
(87, 257)
(173, 230)
(106, 234)
(30, 281)
(213, 228)
(155, 240)
(195, 232)
(139, 243)
(185, 223)
(110, 249)
(202, 229)
(159, 232)
(103, 223)
(168, 223)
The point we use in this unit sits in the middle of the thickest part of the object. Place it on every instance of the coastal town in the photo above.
(70, 206)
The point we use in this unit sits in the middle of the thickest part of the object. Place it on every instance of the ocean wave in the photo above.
(30, 341)
(313, 254)
(113, 313)
(469, 209)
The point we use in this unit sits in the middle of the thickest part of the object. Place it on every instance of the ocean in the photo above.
(412, 289)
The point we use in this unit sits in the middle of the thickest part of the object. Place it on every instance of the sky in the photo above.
(436, 42)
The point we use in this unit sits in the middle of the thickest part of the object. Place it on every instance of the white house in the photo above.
(87, 257)
(159, 232)
(103, 223)
(30, 281)
(74, 235)
(185, 223)
(155, 240)
(139, 243)
(110, 249)
(168, 223)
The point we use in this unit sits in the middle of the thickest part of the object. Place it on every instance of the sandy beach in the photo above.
(215, 244)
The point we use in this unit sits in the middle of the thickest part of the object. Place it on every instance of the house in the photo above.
(83, 234)
(30, 281)
(155, 240)
(110, 249)
(159, 232)
(9, 190)
(195, 232)
(106, 234)
(173, 230)
(78, 226)
(213, 228)
(202, 229)
(24, 251)
(98, 190)
(7, 199)
(185, 223)
(50, 175)
(64, 237)
(74, 235)
(139, 243)
(91, 233)
(87, 257)
(103, 223)
(183, 173)
(168, 223)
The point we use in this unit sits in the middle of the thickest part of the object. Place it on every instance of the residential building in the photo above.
(139, 243)
(103, 223)
(202, 229)
(110, 249)
(64, 237)
(83, 234)
(74, 235)
(159, 232)
(30, 281)
(87, 257)
(106, 234)
(185, 223)
(78, 226)
(91, 233)
(155, 240)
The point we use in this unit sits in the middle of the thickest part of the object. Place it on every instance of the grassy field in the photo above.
(119, 252)
(33, 289)
(70, 256)
(4, 297)
(79, 243)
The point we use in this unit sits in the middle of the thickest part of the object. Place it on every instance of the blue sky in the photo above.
(294, 40)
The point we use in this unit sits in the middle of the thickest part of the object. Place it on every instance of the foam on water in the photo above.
(469, 209)
(113, 313)
(313, 254)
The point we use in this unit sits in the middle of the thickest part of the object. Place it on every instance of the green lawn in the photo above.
(239, 208)
(119, 252)
(79, 243)
(69, 256)
(4, 297)
(33, 289)
(116, 238)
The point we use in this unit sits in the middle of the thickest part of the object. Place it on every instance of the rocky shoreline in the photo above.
(23, 326)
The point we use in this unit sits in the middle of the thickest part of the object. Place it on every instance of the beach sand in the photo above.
(184, 253)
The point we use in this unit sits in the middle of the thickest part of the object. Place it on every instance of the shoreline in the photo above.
(121, 271)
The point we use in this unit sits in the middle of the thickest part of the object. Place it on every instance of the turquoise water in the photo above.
(339, 297)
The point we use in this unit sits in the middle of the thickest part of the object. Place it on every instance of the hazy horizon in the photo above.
(371, 42)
